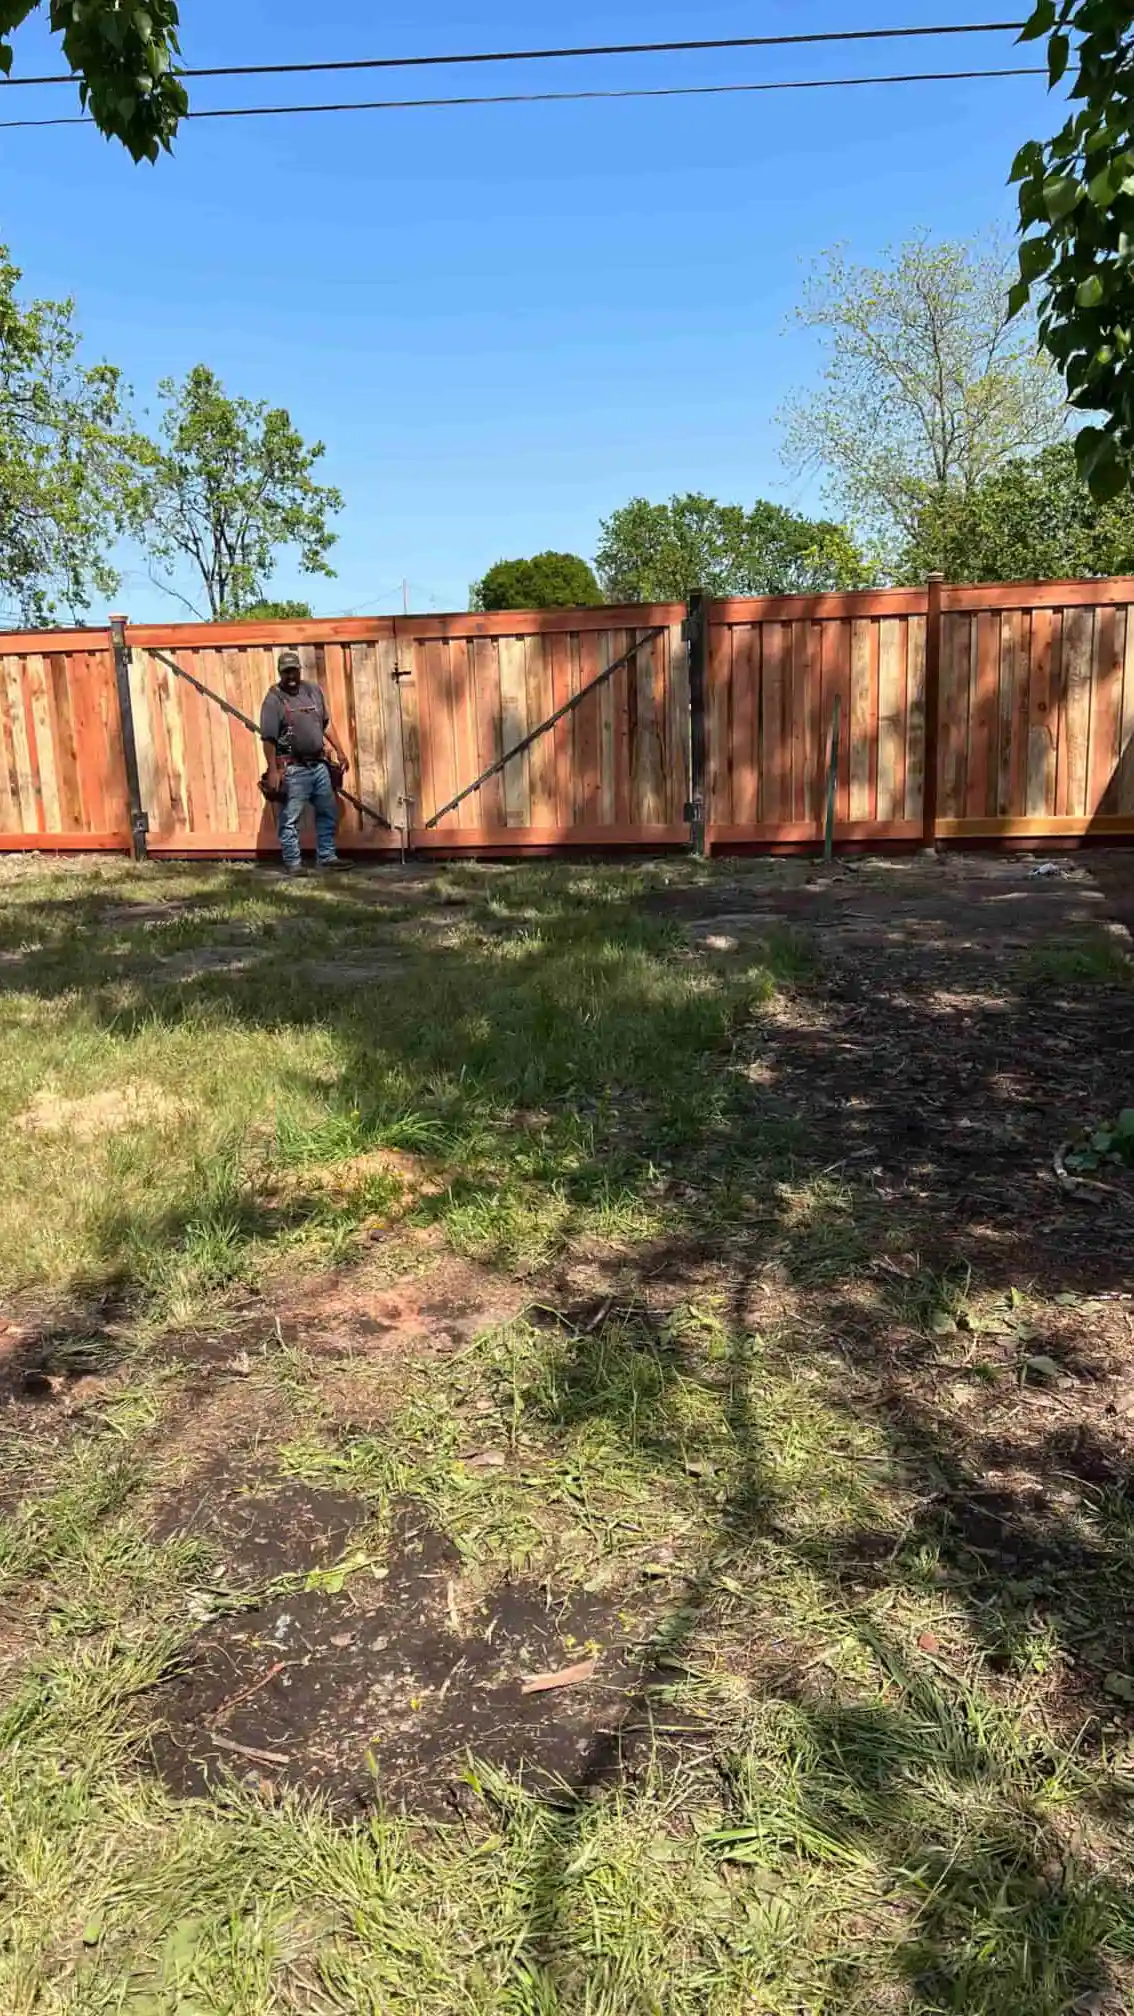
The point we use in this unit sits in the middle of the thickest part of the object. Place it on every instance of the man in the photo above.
(297, 733)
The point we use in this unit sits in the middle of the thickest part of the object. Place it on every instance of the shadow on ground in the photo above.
(860, 1171)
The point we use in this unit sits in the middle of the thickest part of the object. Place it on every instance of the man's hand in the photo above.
(332, 753)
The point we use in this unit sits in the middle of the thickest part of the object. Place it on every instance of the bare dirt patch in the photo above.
(410, 1176)
(260, 1530)
(116, 1111)
(209, 960)
(386, 1689)
(443, 1305)
(163, 911)
(352, 972)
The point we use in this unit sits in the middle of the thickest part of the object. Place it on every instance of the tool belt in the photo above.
(277, 795)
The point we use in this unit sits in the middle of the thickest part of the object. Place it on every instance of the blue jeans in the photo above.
(308, 784)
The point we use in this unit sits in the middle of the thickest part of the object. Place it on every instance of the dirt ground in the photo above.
(315, 1685)
(947, 1046)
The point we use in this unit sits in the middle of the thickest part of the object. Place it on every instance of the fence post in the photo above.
(933, 586)
(139, 823)
(697, 637)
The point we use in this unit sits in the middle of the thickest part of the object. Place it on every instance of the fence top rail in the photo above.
(958, 600)
(42, 643)
(541, 622)
(423, 628)
(818, 608)
(230, 636)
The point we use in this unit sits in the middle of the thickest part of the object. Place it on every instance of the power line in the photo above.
(597, 49)
(564, 97)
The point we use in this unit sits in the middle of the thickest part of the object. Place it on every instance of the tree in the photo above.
(927, 384)
(123, 59)
(65, 459)
(1077, 228)
(547, 581)
(1034, 519)
(227, 487)
(662, 552)
(276, 612)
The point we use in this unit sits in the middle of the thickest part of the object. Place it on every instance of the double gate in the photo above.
(472, 733)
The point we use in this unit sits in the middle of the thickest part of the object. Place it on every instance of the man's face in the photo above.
(290, 678)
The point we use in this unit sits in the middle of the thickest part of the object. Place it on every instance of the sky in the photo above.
(505, 321)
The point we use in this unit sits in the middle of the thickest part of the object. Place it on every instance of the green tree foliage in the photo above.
(662, 552)
(65, 460)
(1077, 228)
(229, 486)
(547, 581)
(276, 612)
(1034, 519)
(927, 384)
(123, 59)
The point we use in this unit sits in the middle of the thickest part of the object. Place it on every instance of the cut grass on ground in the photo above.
(838, 1489)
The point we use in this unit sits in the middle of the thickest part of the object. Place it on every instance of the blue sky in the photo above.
(506, 321)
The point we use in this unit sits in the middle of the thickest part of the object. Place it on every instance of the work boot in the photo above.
(337, 866)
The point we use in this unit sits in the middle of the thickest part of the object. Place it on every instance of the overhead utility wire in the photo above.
(598, 49)
(562, 97)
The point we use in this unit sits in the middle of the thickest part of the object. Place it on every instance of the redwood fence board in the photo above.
(1034, 733)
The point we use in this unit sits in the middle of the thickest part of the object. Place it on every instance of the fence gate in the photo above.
(566, 728)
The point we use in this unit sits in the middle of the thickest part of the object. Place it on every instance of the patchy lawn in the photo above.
(568, 1440)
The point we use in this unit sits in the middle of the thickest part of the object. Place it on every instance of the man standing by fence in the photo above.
(300, 742)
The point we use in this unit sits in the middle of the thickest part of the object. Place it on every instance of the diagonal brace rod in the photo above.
(253, 728)
(568, 707)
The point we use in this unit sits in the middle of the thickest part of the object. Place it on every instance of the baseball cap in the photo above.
(289, 661)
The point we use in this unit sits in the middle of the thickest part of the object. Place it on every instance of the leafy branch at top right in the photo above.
(1077, 228)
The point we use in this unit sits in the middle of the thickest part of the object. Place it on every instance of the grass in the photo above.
(1095, 960)
(550, 1053)
(910, 1839)
(866, 1781)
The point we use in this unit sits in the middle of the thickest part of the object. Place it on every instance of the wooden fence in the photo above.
(1015, 702)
